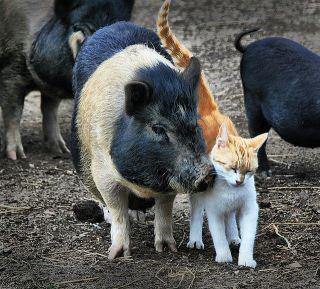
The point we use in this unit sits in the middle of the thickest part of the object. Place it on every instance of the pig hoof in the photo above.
(171, 244)
(14, 154)
(198, 244)
(263, 174)
(118, 250)
(56, 146)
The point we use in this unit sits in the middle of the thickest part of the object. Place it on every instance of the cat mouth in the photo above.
(238, 185)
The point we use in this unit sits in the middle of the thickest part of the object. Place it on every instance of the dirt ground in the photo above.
(42, 245)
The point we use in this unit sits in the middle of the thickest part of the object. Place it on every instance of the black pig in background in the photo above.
(38, 42)
(135, 128)
(281, 84)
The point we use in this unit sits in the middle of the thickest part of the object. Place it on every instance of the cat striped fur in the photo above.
(211, 117)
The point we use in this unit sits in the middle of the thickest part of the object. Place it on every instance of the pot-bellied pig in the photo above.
(135, 128)
(281, 84)
(39, 39)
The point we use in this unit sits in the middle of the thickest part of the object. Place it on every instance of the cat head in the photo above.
(235, 158)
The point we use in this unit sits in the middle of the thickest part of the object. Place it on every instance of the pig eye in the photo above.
(159, 130)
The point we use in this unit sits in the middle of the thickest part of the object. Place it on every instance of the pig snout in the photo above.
(206, 178)
(197, 175)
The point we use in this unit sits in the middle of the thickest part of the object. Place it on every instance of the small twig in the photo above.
(276, 230)
(14, 208)
(293, 188)
(126, 285)
(194, 277)
(184, 234)
(298, 224)
(77, 280)
(277, 162)
(159, 277)
(179, 282)
(285, 155)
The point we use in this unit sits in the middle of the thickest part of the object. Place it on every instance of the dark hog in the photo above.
(134, 128)
(281, 84)
(38, 43)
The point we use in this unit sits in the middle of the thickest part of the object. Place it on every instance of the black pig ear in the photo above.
(138, 95)
(192, 73)
(63, 7)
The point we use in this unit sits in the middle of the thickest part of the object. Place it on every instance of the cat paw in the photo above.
(224, 257)
(247, 262)
(195, 243)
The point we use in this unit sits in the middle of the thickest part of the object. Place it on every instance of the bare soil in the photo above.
(42, 245)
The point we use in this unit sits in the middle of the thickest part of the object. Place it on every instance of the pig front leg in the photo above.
(53, 140)
(257, 124)
(163, 224)
(115, 197)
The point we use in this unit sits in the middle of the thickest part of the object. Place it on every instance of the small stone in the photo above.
(294, 265)
(31, 166)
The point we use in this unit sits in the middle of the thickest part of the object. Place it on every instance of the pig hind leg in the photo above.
(53, 140)
(257, 125)
(15, 84)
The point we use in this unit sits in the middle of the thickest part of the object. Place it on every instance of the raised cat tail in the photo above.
(182, 56)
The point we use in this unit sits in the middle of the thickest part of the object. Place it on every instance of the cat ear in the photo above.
(222, 138)
(257, 142)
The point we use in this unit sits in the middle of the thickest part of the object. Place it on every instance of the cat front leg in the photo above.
(196, 221)
(248, 219)
(218, 232)
(232, 229)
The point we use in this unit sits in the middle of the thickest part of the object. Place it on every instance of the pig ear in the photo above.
(138, 95)
(192, 73)
(63, 7)
(222, 138)
(75, 42)
(258, 141)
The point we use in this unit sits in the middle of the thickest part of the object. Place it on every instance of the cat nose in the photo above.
(239, 183)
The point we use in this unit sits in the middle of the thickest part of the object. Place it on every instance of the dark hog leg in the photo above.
(257, 124)
(53, 140)
(15, 83)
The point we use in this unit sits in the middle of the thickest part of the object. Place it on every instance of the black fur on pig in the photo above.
(281, 84)
(51, 58)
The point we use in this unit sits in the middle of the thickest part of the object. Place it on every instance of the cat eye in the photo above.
(234, 169)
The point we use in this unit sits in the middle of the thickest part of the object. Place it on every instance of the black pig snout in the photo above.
(197, 175)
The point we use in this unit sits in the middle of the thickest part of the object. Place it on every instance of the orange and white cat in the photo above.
(232, 196)
(235, 161)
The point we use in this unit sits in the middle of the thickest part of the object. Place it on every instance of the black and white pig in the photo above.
(135, 128)
(38, 42)
(281, 84)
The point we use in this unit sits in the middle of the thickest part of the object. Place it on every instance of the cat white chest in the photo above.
(226, 198)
